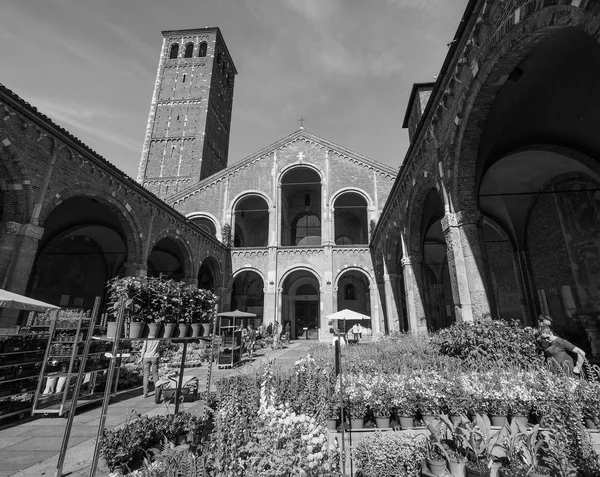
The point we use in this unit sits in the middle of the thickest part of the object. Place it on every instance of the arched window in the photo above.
(349, 292)
(174, 51)
(189, 50)
(307, 230)
(202, 50)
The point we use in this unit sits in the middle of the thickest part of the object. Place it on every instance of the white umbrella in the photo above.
(19, 302)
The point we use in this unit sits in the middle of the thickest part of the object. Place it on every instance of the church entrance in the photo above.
(300, 305)
(307, 313)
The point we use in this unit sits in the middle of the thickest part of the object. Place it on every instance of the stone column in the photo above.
(134, 269)
(466, 264)
(529, 305)
(375, 308)
(18, 248)
(411, 269)
(390, 304)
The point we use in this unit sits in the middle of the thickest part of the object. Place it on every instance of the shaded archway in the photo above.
(83, 247)
(247, 293)
(300, 304)
(166, 260)
(350, 219)
(205, 224)
(437, 288)
(209, 274)
(251, 222)
(353, 293)
(301, 207)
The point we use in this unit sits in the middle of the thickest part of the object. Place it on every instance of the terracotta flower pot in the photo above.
(111, 329)
(356, 424)
(406, 422)
(437, 467)
(457, 467)
(196, 327)
(153, 329)
(205, 329)
(168, 330)
(382, 422)
(332, 424)
(135, 329)
(497, 420)
(183, 327)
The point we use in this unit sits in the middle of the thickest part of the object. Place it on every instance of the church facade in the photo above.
(494, 212)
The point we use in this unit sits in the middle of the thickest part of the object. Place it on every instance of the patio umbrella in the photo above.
(237, 314)
(19, 302)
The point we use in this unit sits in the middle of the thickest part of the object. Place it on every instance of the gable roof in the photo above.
(295, 136)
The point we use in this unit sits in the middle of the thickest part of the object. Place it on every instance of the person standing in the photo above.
(150, 358)
(558, 351)
(251, 340)
(276, 335)
(287, 332)
(355, 332)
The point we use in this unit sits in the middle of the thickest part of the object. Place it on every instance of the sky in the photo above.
(346, 66)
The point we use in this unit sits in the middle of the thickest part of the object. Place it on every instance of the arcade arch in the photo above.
(167, 260)
(301, 207)
(351, 225)
(251, 222)
(300, 303)
(247, 293)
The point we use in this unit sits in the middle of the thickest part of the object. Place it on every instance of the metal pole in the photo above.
(338, 350)
(75, 397)
(181, 368)
(210, 363)
(108, 387)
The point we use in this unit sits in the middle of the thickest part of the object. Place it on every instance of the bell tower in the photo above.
(187, 136)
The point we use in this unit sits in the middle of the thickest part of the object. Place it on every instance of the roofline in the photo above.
(193, 31)
(457, 44)
(10, 98)
(276, 145)
(411, 98)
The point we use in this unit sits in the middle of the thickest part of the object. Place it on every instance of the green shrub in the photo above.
(389, 454)
(487, 343)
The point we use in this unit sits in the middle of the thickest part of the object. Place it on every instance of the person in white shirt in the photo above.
(150, 358)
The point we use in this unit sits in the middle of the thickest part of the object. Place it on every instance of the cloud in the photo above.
(316, 10)
(85, 118)
(422, 5)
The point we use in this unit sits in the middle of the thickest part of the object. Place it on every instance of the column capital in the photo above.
(457, 219)
(414, 259)
(11, 227)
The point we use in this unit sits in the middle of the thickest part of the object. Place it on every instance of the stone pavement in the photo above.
(30, 448)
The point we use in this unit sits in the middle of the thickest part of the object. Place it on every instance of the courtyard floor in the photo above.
(30, 448)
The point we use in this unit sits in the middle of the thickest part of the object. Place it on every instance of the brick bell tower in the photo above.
(187, 137)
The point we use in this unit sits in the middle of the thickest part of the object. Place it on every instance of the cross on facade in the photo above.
(301, 121)
(300, 156)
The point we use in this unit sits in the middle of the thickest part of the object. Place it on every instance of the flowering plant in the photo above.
(429, 392)
(357, 392)
(404, 398)
(521, 393)
(379, 395)
(588, 396)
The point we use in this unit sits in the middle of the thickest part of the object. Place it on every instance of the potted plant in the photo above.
(429, 395)
(380, 400)
(588, 396)
(404, 400)
(457, 459)
(435, 449)
(480, 445)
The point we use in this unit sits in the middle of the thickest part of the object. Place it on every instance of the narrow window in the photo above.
(174, 51)
(184, 74)
(349, 292)
(189, 50)
(202, 50)
(218, 58)
(306, 200)
(224, 68)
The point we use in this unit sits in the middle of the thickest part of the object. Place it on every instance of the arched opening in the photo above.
(300, 304)
(251, 222)
(353, 294)
(351, 225)
(166, 260)
(439, 303)
(205, 224)
(83, 247)
(189, 50)
(247, 294)
(539, 180)
(202, 50)
(174, 51)
(301, 208)
(208, 274)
